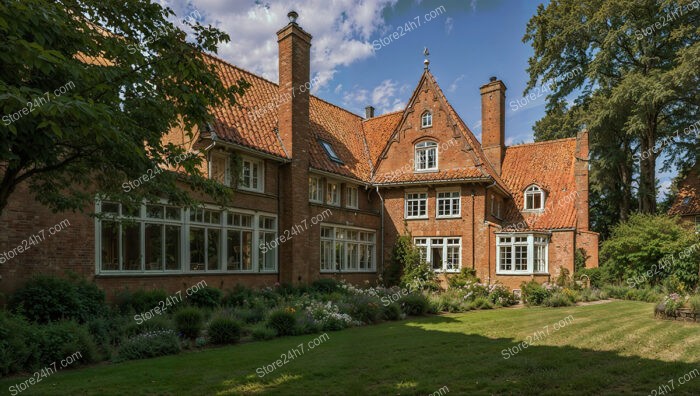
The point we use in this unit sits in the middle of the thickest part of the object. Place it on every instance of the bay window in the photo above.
(522, 254)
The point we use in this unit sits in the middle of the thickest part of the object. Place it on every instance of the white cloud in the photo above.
(449, 25)
(386, 97)
(453, 87)
(338, 89)
(341, 31)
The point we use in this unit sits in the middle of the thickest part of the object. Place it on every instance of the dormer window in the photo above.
(426, 156)
(534, 198)
(330, 151)
(426, 120)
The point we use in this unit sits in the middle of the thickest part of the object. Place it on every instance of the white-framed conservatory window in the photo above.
(315, 189)
(442, 254)
(351, 200)
(522, 254)
(426, 156)
(416, 205)
(347, 249)
(158, 238)
(426, 120)
(534, 198)
(448, 204)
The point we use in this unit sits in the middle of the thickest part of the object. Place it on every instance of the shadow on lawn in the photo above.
(414, 360)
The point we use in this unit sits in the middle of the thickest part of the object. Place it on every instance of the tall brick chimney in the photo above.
(493, 121)
(581, 179)
(295, 265)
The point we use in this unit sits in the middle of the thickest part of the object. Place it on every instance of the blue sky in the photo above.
(468, 40)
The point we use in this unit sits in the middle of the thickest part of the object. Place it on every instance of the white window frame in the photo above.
(495, 206)
(332, 196)
(260, 177)
(448, 244)
(227, 166)
(516, 241)
(426, 119)
(451, 198)
(185, 223)
(423, 148)
(333, 237)
(533, 191)
(421, 199)
(351, 197)
(317, 183)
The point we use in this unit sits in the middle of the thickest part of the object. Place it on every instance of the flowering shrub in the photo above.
(501, 296)
(535, 294)
(328, 316)
(364, 309)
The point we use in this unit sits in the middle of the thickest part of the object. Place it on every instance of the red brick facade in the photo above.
(291, 139)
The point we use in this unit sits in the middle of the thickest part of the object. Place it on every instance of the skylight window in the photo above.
(331, 153)
(686, 200)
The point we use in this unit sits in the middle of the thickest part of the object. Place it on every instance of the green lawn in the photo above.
(614, 348)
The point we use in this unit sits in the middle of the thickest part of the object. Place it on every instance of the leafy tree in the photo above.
(647, 249)
(88, 91)
(640, 63)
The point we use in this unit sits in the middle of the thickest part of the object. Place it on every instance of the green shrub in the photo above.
(533, 293)
(639, 247)
(365, 309)
(263, 332)
(157, 323)
(482, 303)
(58, 340)
(563, 280)
(107, 332)
(224, 330)
(580, 258)
(19, 350)
(592, 295)
(403, 254)
(501, 296)
(46, 299)
(188, 322)
(451, 300)
(694, 303)
(239, 296)
(149, 345)
(252, 315)
(128, 302)
(325, 285)
(283, 321)
(414, 304)
(206, 297)
(558, 299)
(466, 275)
(391, 312)
(596, 276)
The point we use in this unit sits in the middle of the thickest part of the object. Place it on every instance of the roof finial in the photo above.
(426, 62)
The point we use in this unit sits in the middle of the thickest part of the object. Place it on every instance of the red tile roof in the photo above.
(378, 130)
(550, 165)
(687, 202)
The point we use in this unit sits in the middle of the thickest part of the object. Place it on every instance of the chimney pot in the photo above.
(493, 78)
(369, 112)
(292, 15)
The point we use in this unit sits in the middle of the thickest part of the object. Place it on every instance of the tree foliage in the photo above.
(639, 86)
(89, 89)
(648, 249)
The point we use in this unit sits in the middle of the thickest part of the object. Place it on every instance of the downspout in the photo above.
(381, 229)
(279, 214)
(488, 233)
(473, 235)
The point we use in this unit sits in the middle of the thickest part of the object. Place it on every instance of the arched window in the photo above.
(426, 120)
(426, 156)
(534, 198)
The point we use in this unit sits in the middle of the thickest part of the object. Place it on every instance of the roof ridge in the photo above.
(540, 143)
(383, 115)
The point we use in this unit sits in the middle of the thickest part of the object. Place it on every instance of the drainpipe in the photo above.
(279, 214)
(473, 235)
(381, 228)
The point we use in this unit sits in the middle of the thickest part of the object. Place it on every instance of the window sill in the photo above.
(533, 210)
(416, 218)
(114, 274)
(252, 190)
(523, 273)
(434, 170)
(372, 271)
(448, 217)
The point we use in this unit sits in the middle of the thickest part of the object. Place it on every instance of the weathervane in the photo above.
(426, 62)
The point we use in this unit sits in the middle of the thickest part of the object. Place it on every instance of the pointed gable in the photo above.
(459, 153)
